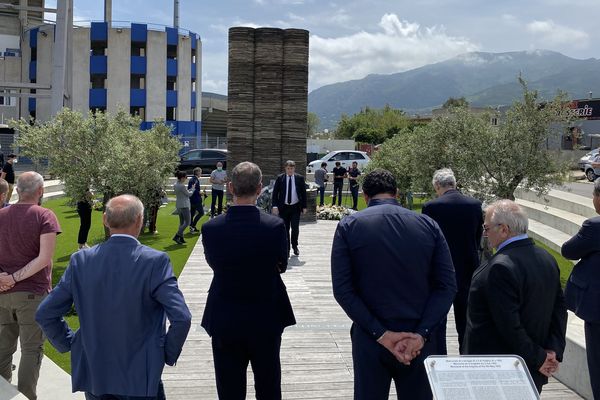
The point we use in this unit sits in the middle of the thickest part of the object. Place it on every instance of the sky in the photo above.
(352, 39)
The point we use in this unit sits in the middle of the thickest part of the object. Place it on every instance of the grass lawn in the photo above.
(347, 201)
(565, 266)
(67, 244)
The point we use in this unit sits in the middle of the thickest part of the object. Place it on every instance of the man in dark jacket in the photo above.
(289, 201)
(460, 217)
(247, 306)
(583, 287)
(392, 274)
(516, 304)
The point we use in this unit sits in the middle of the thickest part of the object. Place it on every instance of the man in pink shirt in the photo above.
(27, 241)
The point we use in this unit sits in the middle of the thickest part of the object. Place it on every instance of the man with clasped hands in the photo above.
(392, 274)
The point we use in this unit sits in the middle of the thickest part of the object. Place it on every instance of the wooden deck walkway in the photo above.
(315, 354)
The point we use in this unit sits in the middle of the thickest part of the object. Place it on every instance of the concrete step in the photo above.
(561, 200)
(564, 221)
(551, 237)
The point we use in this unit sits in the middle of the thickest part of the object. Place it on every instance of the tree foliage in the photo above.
(106, 153)
(488, 161)
(455, 102)
(372, 125)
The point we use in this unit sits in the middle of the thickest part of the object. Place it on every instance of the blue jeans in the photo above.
(159, 396)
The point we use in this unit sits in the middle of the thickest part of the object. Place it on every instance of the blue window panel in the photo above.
(99, 32)
(198, 129)
(193, 72)
(98, 65)
(171, 98)
(193, 99)
(137, 98)
(32, 70)
(139, 33)
(138, 65)
(172, 36)
(171, 67)
(33, 37)
(186, 128)
(145, 125)
(193, 38)
(31, 104)
(97, 98)
(9, 54)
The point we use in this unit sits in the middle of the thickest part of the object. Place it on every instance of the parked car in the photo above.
(345, 157)
(206, 159)
(588, 157)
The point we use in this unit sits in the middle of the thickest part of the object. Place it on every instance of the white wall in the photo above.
(156, 75)
(119, 70)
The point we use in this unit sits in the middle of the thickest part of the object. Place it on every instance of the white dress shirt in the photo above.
(291, 179)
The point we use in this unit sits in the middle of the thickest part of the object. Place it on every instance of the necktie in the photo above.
(289, 190)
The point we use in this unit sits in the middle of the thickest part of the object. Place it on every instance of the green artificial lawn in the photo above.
(66, 244)
(564, 265)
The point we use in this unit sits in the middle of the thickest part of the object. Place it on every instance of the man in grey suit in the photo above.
(123, 292)
(583, 287)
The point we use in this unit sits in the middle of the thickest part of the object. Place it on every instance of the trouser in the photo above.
(184, 220)
(10, 191)
(196, 213)
(17, 321)
(337, 192)
(231, 357)
(84, 209)
(354, 191)
(375, 367)
(216, 194)
(159, 396)
(460, 320)
(321, 190)
(592, 348)
(291, 218)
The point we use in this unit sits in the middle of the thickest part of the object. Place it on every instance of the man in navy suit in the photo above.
(392, 274)
(123, 293)
(460, 218)
(289, 201)
(247, 307)
(583, 287)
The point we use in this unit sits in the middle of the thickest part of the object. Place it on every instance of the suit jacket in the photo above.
(123, 292)
(461, 219)
(279, 190)
(516, 306)
(583, 287)
(391, 269)
(247, 251)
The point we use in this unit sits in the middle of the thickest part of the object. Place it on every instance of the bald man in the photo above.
(123, 292)
(27, 239)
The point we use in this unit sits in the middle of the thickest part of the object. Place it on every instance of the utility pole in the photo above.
(176, 14)
(64, 14)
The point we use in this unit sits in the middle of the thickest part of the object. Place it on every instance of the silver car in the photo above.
(587, 158)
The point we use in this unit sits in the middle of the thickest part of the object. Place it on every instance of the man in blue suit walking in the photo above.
(392, 274)
(123, 293)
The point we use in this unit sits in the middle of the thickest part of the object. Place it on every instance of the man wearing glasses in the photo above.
(516, 304)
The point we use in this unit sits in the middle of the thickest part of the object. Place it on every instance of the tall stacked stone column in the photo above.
(268, 95)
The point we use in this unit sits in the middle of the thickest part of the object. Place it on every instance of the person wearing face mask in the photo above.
(218, 178)
(27, 240)
(8, 173)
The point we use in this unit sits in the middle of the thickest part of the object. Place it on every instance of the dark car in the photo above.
(206, 159)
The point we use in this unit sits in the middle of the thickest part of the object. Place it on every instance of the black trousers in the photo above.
(375, 368)
(231, 357)
(291, 217)
(592, 348)
(354, 191)
(217, 195)
(197, 211)
(160, 395)
(84, 209)
(337, 192)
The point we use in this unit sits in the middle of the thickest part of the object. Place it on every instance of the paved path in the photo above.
(316, 353)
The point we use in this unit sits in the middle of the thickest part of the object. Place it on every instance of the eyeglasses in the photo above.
(487, 228)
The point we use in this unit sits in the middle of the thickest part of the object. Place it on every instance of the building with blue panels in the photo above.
(151, 70)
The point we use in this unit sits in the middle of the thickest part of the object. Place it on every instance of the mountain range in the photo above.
(484, 79)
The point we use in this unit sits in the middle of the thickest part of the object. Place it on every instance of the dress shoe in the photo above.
(296, 251)
(177, 239)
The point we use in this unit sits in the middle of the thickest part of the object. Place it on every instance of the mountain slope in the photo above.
(484, 78)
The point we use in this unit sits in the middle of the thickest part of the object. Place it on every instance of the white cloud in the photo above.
(554, 34)
(399, 46)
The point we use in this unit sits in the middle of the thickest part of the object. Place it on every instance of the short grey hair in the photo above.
(290, 163)
(509, 213)
(597, 187)
(29, 183)
(3, 187)
(123, 211)
(444, 178)
(245, 179)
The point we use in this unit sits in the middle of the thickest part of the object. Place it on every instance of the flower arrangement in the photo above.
(333, 213)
